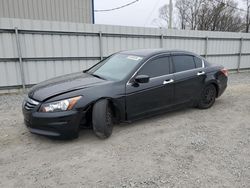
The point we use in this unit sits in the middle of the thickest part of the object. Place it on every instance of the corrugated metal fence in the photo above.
(33, 51)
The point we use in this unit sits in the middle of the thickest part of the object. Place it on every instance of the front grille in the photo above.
(30, 104)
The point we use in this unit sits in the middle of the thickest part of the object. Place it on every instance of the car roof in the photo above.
(151, 52)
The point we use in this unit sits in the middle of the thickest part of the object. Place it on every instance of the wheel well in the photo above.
(115, 111)
(89, 109)
(217, 88)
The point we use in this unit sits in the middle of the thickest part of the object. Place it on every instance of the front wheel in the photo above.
(208, 96)
(102, 119)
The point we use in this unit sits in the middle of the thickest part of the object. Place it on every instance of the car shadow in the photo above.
(87, 134)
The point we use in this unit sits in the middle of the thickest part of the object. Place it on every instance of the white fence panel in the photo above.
(9, 74)
(245, 62)
(222, 46)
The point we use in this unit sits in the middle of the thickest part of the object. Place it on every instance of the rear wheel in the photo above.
(208, 96)
(102, 119)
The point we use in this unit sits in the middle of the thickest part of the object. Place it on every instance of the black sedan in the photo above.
(123, 87)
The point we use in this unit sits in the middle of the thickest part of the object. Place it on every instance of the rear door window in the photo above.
(183, 62)
(198, 62)
(156, 67)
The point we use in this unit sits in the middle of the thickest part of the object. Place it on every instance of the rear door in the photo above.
(155, 95)
(189, 77)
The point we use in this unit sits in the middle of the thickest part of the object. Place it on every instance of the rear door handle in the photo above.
(200, 73)
(168, 81)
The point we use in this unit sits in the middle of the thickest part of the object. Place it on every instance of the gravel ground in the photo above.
(185, 148)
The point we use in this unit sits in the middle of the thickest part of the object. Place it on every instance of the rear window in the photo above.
(183, 62)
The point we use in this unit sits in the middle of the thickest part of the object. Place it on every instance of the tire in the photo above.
(208, 96)
(102, 119)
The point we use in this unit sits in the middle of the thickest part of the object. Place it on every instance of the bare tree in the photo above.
(247, 16)
(209, 15)
(163, 19)
(226, 17)
(164, 12)
(188, 12)
(182, 6)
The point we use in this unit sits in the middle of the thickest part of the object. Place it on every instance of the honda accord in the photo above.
(125, 86)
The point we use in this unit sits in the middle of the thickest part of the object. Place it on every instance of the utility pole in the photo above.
(247, 20)
(170, 14)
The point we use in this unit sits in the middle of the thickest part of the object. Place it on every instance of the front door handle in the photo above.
(168, 81)
(200, 73)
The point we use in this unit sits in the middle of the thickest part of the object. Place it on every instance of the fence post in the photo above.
(240, 52)
(20, 58)
(206, 47)
(100, 45)
(162, 38)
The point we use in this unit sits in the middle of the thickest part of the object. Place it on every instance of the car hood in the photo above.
(63, 84)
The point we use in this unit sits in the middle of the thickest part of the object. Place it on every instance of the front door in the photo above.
(157, 94)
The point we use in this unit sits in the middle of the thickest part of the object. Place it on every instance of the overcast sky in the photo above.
(138, 14)
(141, 13)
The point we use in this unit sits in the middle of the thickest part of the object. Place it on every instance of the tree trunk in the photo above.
(247, 20)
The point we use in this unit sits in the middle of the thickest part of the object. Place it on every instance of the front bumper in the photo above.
(53, 124)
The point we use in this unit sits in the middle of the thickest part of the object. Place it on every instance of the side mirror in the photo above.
(142, 79)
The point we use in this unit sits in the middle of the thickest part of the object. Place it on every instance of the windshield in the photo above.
(116, 67)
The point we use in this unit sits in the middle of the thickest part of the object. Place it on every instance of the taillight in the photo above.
(224, 71)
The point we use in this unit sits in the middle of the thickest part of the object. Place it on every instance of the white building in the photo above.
(80, 11)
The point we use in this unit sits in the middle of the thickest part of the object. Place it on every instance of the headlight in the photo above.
(58, 106)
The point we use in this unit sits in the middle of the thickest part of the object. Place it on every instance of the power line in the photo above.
(116, 8)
